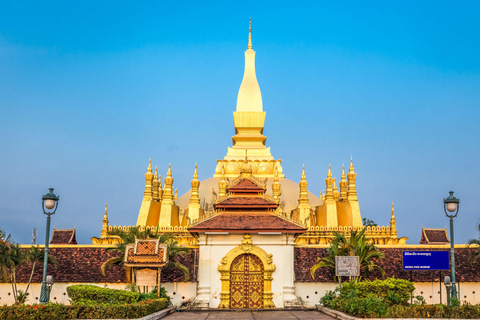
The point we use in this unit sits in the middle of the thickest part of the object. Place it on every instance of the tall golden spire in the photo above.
(104, 232)
(249, 95)
(329, 184)
(168, 191)
(302, 212)
(343, 185)
(303, 199)
(335, 190)
(393, 223)
(195, 199)
(352, 192)
(155, 185)
(194, 211)
(250, 35)
(148, 193)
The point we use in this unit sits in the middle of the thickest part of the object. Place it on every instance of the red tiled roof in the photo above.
(146, 248)
(145, 259)
(434, 236)
(82, 264)
(246, 185)
(246, 222)
(63, 236)
(246, 202)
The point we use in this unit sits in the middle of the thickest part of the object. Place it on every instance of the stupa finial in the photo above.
(195, 173)
(250, 35)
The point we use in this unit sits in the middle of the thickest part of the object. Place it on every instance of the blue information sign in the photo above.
(426, 260)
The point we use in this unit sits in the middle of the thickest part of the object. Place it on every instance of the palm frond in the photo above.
(181, 267)
(109, 262)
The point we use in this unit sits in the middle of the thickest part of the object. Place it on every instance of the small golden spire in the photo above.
(329, 174)
(176, 194)
(393, 223)
(250, 35)
(352, 191)
(195, 174)
(304, 178)
(149, 169)
(105, 216)
(275, 179)
(155, 176)
(343, 184)
(169, 173)
(104, 232)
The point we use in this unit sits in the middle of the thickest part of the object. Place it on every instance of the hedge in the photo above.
(391, 290)
(81, 293)
(62, 312)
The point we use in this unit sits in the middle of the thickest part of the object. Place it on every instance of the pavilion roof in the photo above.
(247, 222)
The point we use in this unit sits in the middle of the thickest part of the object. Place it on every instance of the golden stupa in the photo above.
(335, 210)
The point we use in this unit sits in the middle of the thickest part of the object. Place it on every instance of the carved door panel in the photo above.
(246, 282)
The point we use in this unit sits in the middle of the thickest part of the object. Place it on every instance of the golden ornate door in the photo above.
(246, 282)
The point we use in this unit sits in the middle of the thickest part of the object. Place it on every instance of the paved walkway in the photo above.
(249, 315)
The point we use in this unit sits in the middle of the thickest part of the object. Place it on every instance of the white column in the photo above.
(289, 297)
(203, 293)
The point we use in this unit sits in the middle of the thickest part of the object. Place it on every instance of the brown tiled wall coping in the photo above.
(306, 256)
(81, 263)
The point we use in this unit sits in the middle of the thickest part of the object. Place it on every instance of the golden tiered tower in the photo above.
(249, 120)
(337, 209)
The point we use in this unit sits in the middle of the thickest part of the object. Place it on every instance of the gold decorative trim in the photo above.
(268, 268)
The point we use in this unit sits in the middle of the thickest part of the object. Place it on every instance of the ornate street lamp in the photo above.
(49, 201)
(451, 204)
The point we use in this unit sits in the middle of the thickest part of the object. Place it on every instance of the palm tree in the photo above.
(6, 243)
(36, 255)
(16, 257)
(355, 245)
(475, 256)
(174, 251)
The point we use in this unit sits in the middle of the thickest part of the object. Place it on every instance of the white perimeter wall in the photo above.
(311, 292)
(178, 291)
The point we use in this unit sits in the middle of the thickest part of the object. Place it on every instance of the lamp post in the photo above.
(451, 204)
(49, 201)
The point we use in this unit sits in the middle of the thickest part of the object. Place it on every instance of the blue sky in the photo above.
(89, 91)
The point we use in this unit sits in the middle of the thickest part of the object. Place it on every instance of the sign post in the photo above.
(347, 266)
(425, 260)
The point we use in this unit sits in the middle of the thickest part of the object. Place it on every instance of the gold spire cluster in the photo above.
(157, 199)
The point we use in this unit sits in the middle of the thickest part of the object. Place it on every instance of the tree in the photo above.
(174, 251)
(5, 247)
(369, 223)
(475, 256)
(354, 245)
(15, 258)
(36, 255)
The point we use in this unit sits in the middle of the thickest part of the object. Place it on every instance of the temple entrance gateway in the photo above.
(246, 282)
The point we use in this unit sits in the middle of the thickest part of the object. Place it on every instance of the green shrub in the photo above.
(465, 311)
(392, 291)
(56, 311)
(153, 295)
(82, 293)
